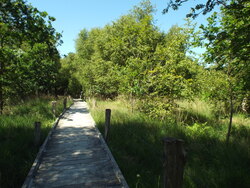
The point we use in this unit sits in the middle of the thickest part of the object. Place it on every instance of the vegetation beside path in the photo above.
(136, 143)
(17, 150)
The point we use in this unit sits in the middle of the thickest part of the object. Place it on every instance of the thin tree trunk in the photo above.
(1, 95)
(231, 115)
(1, 76)
(1, 87)
(230, 120)
(132, 101)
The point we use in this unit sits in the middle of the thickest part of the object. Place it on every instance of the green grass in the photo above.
(192, 111)
(17, 150)
(136, 143)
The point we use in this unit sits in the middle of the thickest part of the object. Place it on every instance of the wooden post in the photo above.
(65, 103)
(107, 123)
(69, 98)
(174, 161)
(93, 103)
(37, 133)
(54, 108)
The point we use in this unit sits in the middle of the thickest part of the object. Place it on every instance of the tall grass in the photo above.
(190, 112)
(136, 143)
(17, 150)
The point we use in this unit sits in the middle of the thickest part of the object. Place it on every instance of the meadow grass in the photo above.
(192, 111)
(17, 150)
(136, 143)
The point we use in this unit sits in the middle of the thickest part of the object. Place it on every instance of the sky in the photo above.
(74, 15)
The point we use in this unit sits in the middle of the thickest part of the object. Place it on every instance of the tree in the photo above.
(132, 57)
(227, 43)
(173, 74)
(25, 33)
(203, 8)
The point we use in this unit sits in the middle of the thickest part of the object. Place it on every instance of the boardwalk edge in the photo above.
(116, 169)
(28, 181)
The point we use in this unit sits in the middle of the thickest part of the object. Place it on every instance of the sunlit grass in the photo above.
(241, 120)
(17, 150)
(193, 111)
(136, 143)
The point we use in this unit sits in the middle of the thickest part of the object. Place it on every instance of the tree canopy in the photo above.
(28, 55)
(133, 57)
(200, 8)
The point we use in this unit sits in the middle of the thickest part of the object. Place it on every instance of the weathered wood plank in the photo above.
(76, 155)
(72, 146)
(102, 170)
(80, 163)
(91, 184)
(110, 184)
(89, 152)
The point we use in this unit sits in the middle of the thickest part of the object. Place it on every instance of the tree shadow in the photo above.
(137, 147)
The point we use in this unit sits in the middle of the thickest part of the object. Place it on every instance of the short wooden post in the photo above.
(93, 103)
(37, 133)
(65, 103)
(69, 98)
(54, 108)
(174, 161)
(107, 123)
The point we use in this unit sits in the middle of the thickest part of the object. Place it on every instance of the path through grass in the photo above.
(17, 151)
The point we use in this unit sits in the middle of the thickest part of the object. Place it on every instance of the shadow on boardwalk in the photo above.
(76, 155)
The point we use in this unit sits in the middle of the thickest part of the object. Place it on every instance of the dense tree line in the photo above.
(28, 55)
(132, 57)
(129, 57)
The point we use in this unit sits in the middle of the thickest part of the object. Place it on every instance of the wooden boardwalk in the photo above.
(75, 155)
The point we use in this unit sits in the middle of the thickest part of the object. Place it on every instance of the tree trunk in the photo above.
(1, 96)
(1, 87)
(132, 102)
(1, 75)
(231, 116)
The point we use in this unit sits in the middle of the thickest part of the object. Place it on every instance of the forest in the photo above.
(153, 80)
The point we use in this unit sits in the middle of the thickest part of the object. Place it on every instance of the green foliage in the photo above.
(17, 150)
(28, 55)
(204, 7)
(136, 143)
(228, 40)
(157, 107)
(67, 82)
(132, 57)
(227, 43)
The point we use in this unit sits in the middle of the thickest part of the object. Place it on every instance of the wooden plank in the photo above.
(87, 183)
(95, 184)
(37, 162)
(74, 149)
(76, 163)
(76, 155)
(73, 145)
(68, 157)
(89, 151)
(65, 171)
(58, 140)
